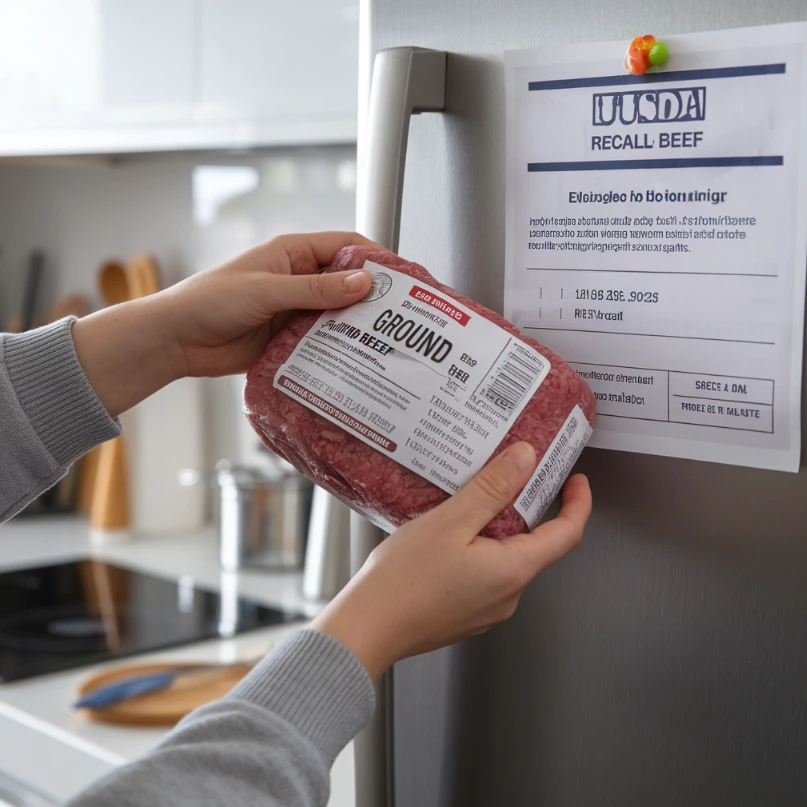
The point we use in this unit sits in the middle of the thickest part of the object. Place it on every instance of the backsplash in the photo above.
(189, 211)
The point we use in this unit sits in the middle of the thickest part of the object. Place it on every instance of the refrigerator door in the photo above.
(664, 662)
(406, 81)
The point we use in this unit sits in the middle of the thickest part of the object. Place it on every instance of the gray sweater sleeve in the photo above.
(49, 413)
(270, 742)
(273, 739)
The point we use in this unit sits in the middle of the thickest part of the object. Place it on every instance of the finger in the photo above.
(489, 492)
(309, 252)
(553, 540)
(322, 291)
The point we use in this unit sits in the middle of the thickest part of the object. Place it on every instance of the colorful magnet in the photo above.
(643, 53)
(658, 54)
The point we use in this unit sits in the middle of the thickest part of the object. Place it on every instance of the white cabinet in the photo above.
(147, 59)
(45, 74)
(276, 66)
(98, 76)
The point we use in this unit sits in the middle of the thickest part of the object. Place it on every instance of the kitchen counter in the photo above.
(49, 748)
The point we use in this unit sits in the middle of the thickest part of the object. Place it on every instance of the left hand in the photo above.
(436, 581)
(215, 323)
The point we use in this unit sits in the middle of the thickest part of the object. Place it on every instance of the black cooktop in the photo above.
(72, 614)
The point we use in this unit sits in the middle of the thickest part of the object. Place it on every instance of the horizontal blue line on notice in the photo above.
(656, 78)
(672, 162)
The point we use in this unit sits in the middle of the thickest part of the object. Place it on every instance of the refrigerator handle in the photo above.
(406, 82)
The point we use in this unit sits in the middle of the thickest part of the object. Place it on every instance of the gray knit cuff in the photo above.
(54, 393)
(317, 685)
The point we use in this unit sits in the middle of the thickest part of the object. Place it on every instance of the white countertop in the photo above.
(36, 721)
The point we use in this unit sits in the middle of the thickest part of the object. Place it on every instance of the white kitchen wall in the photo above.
(189, 211)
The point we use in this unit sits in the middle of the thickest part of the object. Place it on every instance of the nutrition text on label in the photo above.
(416, 375)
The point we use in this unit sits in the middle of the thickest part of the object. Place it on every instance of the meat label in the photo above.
(417, 375)
(553, 468)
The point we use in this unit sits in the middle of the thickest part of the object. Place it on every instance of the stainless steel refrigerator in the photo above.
(665, 661)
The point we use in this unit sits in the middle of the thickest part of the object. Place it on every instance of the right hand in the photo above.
(221, 320)
(215, 323)
(436, 581)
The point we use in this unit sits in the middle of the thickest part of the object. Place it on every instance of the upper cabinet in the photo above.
(279, 66)
(112, 76)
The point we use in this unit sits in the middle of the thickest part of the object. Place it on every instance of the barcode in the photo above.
(512, 379)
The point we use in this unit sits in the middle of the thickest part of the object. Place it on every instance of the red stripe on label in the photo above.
(441, 304)
(344, 419)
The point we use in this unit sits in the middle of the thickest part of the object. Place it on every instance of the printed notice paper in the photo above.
(657, 237)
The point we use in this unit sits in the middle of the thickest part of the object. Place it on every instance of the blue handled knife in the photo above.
(125, 688)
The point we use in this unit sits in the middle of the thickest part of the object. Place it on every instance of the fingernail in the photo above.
(354, 282)
(522, 456)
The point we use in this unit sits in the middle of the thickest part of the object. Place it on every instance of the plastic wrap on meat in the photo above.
(362, 476)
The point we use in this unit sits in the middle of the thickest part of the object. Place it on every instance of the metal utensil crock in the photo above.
(264, 516)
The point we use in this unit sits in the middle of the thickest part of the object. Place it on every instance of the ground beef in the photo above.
(363, 477)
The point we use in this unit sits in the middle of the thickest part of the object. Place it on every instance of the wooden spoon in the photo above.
(113, 283)
(110, 508)
(143, 276)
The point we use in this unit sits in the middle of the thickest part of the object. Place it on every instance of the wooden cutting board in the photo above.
(168, 706)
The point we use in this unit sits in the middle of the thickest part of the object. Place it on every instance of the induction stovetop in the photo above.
(68, 615)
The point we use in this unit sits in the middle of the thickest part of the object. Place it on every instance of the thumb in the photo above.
(318, 291)
(490, 491)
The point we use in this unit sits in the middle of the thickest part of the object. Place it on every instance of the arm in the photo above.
(49, 413)
(434, 582)
(273, 739)
(61, 386)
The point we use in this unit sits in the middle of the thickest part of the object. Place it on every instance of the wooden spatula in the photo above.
(110, 510)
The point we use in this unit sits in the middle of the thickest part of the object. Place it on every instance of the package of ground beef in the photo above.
(394, 403)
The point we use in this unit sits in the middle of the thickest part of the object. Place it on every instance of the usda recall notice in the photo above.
(657, 237)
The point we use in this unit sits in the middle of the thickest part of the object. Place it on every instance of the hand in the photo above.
(436, 581)
(223, 319)
(215, 323)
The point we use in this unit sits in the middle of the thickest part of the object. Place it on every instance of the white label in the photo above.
(657, 236)
(553, 469)
(379, 521)
(417, 375)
